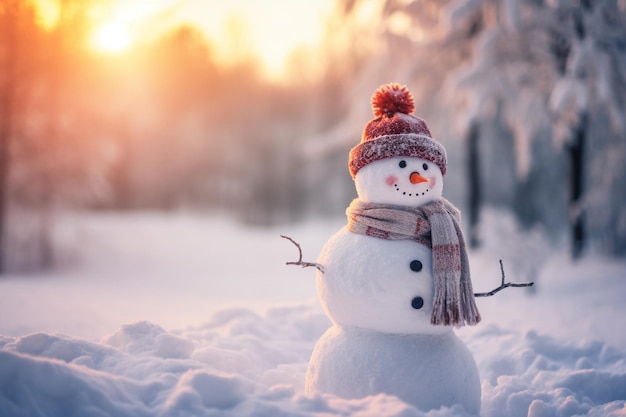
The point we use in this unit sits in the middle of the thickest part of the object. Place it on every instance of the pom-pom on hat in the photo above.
(395, 132)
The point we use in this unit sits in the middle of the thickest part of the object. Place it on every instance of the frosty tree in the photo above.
(555, 72)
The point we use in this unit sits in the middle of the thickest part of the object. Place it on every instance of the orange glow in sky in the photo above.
(266, 29)
(271, 29)
(47, 13)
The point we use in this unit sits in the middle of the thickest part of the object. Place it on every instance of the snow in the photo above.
(186, 315)
(427, 371)
(352, 295)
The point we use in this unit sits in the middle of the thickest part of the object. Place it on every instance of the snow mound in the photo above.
(556, 351)
(242, 363)
(536, 375)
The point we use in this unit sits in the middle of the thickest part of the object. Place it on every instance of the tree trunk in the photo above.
(473, 177)
(49, 176)
(5, 129)
(576, 174)
(122, 181)
(7, 86)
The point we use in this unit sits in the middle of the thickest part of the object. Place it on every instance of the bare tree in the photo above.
(8, 21)
(43, 161)
(473, 178)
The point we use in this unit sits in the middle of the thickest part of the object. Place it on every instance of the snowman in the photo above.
(395, 281)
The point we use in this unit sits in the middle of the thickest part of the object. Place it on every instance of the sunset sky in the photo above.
(274, 27)
(268, 29)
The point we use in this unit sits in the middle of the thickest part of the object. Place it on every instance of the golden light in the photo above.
(269, 29)
(112, 38)
(48, 12)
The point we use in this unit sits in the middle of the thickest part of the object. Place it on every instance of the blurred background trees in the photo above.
(528, 96)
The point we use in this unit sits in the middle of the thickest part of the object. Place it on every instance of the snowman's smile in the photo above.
(410, 193)
(415, 178)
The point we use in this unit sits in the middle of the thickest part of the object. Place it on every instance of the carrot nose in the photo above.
(416, 178)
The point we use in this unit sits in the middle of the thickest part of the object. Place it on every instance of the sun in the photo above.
(112, 38)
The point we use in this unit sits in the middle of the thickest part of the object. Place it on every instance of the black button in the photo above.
(416, 266)
(417, 303)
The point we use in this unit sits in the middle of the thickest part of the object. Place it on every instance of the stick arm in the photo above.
(300, 262)
(503, 285)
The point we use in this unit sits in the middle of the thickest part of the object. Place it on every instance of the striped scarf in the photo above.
(436, 225)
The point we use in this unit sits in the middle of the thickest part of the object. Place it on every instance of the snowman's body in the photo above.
(379, 295)
(378, 285)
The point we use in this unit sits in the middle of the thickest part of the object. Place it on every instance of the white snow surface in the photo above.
(185, 315)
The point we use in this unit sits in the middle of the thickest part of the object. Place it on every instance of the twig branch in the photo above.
(503, 285)
(300, 262)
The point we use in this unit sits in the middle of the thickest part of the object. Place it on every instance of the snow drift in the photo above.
(556, 352)
(245, 364)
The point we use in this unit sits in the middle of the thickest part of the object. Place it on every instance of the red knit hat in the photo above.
(395, 132)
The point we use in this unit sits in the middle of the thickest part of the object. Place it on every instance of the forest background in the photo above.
(527, 96)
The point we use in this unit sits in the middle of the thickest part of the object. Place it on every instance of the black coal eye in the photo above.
(415, 265)
(402, 164)
(425, 166)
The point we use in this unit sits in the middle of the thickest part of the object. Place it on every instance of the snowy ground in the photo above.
(154, 315)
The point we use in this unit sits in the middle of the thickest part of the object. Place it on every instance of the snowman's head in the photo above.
(397, 146)
(403, 181)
